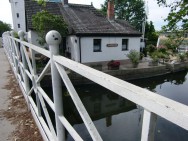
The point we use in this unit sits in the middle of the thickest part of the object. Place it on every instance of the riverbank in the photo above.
(126, 71)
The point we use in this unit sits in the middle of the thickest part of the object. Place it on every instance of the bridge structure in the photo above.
(24, 67)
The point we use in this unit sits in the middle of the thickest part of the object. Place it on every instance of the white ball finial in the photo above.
(12, 33)
(21, 35)
(53, 38)
(8, 32)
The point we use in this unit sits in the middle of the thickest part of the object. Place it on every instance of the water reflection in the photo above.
(152, 83)
(110, 113)
(99, 105)
(118, 119)
(173, 86)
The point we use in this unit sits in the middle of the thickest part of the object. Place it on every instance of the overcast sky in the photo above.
(156, 13)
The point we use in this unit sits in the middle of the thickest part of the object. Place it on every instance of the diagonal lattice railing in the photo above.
(25, 70)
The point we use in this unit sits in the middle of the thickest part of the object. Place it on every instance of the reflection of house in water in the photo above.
(107, 106)
(99, 106)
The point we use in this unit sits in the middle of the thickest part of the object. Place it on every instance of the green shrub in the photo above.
(134, 56)
(15, 34)
(150, 48)
(155, 56)
(171, 45)
(186, 54)
(162, 48)
(182, 56)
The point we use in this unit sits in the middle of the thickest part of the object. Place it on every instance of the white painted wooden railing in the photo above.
(154, 105)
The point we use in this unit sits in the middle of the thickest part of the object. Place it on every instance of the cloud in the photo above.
(157, 14)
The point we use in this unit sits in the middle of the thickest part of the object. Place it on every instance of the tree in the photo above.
(132, 11)
(150, 33)
(44, 21)
(4, 27)
(177, 15)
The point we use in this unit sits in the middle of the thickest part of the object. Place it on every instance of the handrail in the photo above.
(152, 103)
(177, 112)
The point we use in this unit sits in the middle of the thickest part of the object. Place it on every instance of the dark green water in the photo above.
(118, 119)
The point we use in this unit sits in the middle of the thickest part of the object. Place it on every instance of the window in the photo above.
(18, 25)
(125, 44)
(96, 45)
(17, 14)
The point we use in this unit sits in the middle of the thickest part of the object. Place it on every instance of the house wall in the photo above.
(17, 7)
(32, 37)
(73, 48)
(107, 53)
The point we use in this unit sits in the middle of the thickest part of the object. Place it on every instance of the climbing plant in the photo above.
(44, 21)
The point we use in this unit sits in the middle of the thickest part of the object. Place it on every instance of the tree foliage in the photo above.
(178, 14)
(132, 11)
(150, 33)
(4, 27)
(44, 21)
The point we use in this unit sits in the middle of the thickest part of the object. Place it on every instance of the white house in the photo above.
(92, 37)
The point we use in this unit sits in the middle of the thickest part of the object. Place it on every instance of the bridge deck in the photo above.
(5, 124)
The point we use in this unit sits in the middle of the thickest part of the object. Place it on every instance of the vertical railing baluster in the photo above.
(53, 39)
(26, 78)
(14, 55)
(148, 126)
(9, 48)
(11, 51)
(35, 76)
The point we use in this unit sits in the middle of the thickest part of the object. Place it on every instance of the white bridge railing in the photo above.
(25, 71)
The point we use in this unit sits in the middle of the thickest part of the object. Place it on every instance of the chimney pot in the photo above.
(110, 10)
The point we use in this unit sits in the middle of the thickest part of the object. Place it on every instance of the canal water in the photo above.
(118, 119)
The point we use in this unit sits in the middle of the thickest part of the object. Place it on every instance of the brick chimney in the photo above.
(65, 2)
(110, 10)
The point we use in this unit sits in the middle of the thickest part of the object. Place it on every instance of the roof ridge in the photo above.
(83, 19)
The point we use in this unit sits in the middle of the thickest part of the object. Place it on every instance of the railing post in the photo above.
(9, 48)
(14, 54)
(53, 39)
(148, 126)
(11, 51)
(26, 78)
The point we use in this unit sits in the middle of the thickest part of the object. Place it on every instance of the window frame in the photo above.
(126, 43)
(17, 15)
(99, 45)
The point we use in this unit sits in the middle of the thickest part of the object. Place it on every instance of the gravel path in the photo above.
(16, 122)
(6, 128)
